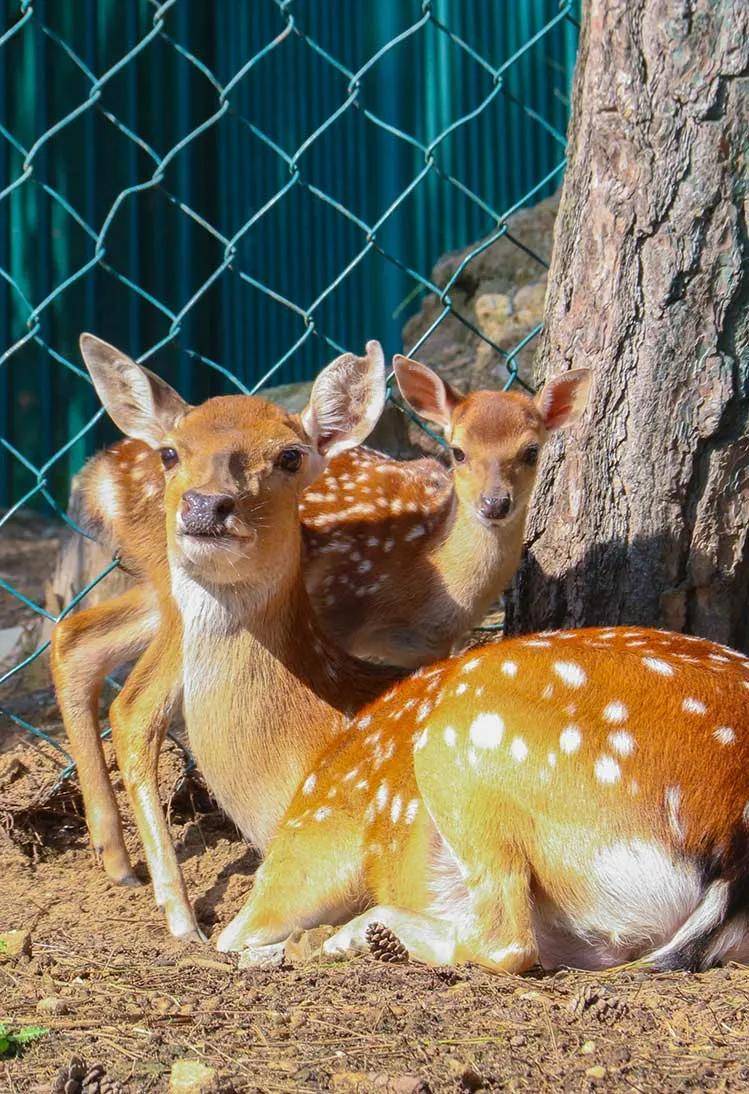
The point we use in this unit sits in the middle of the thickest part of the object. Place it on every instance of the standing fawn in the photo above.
(577, 797)
(233, 631)
(404, 557)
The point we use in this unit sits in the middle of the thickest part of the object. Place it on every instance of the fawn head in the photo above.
(236, 465)
(495, 437)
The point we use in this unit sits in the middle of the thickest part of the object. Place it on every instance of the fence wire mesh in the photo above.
(42, 210)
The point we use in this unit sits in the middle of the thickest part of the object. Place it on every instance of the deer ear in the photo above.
(346, 401)
(140, 403)
(562, 399)
(426, 393)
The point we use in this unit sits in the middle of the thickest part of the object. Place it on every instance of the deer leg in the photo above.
(140, 717)
(310, 876)
(85, 647)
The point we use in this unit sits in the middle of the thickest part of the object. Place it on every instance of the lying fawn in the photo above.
(576, 798)
(405, 557)
(262, 689)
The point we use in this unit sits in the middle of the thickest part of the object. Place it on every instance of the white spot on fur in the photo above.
(106, 493)
(725, 735)
(461, 688)
(509, 668)
(656, 665)
(607, 770)
(322, 813)
(421, 740)
(569, 739)
(622, 742)
(309, 784)
(551, 759)
(415, 532)
(395, 808)
(487, 731)
(693, 706)
(518, 750)
(570, 672)
(450, 736)
(469, 666)
(615, 712)
(411, 810)
(381, 797)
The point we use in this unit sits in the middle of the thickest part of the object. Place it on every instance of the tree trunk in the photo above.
(642, 514)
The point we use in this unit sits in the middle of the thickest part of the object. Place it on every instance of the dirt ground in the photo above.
(110, 985)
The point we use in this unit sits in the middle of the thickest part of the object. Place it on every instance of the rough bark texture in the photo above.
(642, 515)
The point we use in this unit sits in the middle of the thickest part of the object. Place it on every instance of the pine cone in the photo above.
(384, 945)
(111, 1086)
(69, 1078)
(599, 1003)
(78, 1078)
(92, 1080)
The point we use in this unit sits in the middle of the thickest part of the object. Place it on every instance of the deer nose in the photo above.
(495, 506)
(205, 514)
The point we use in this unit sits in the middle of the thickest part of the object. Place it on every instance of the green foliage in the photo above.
(12, 1043)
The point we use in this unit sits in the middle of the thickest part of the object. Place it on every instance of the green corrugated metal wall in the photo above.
(227, 173)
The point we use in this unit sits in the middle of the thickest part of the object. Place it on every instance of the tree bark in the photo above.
(642, 514)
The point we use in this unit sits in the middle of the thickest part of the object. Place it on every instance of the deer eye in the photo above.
(169, 457)
(530, 455)
(290, 459)
(458, 455)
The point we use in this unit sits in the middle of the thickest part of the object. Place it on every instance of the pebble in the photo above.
(262, 957)
(52, 1005)
(15, 944)
(191, 1077)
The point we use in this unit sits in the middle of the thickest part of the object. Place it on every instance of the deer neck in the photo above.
(476, 562)
(264, 693)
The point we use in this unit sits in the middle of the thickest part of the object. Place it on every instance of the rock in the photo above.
(262, 957)
(368, 1082)
(15, 944)
(52, 1005)
(304, 946)
(192, 1077)
(596, 1072)
(588, 1048)
(11, 641)
(501, 291)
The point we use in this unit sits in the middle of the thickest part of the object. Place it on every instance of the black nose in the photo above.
(205, 514)
(495, 506)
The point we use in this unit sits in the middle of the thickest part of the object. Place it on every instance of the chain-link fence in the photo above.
(236, 192)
